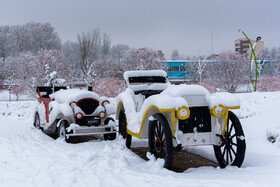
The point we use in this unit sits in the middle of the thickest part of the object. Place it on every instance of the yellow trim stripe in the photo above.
(137, 135)
(226, 118)
(118, 109)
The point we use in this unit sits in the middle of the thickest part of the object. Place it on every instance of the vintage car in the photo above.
(73, 112)
(175, 116)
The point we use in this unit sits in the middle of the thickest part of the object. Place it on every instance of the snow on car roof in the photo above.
(183, 89)
(144, 73)
(224, 98)
(69, 95)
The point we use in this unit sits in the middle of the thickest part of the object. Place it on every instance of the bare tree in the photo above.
(71, 51)
(108, 87)
(10, 73)
(118, 52)
(5, 42)
(229, 71)
(107, 68)
(30, 37)
(92, 48)
(196, 69)
(40, 69)
(142, 59)
(106, 44)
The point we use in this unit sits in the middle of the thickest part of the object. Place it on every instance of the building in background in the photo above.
(242, 46)
(185, 71)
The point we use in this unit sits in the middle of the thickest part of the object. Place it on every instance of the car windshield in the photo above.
(150, 79)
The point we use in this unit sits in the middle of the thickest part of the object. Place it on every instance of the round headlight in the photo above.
(183, 113)
(102, 114)
(79, 115)
(218, 111)
(73, 104)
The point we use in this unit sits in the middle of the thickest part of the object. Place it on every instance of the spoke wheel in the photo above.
(233, 146)
(123, 129)
(62, 131)
(160, 140)
(110, 136)
(37, 121)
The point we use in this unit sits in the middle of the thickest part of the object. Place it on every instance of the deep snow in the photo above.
(28, 157)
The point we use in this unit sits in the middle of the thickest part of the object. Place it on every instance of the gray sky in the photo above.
(185, 25)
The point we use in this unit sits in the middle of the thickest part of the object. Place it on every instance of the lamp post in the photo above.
(253, 59)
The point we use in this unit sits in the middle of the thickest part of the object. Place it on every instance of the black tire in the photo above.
(123, 129)
(111, 136)
(160, 140)
(37, 121)
(233, 147)
(61, 132)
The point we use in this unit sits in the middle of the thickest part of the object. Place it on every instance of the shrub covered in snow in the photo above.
(273, 135)
(268, 83)
(108, 87)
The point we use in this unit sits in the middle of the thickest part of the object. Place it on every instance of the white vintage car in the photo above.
(177, 116)
(73, 112)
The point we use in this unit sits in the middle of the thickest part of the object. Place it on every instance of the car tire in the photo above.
(123, 129)
(110, 136)
(37, 121)
(160, 140)
(233, 146)
(61, 133)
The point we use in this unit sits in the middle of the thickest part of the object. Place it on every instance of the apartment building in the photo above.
(242, 46)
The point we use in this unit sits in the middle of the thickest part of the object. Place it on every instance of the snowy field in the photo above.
(28, 157)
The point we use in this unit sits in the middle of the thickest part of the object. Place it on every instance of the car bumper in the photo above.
(88, 131)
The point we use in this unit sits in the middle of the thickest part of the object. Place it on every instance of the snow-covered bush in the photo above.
(142, 59)
(273, 135)
(17, 90)
(229, 71)
(268, 83)
(30, 37)
(37, 70)
(108, 87)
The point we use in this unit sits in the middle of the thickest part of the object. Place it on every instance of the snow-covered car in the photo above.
(73, 112)
(175, 116)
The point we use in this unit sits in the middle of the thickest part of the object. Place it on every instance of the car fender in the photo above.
(137, 122)
(41, 110)
(60, 111)
(169, 114)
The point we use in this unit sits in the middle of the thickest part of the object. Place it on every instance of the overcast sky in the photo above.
(165, 25)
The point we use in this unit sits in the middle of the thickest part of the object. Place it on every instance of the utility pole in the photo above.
(212, 42)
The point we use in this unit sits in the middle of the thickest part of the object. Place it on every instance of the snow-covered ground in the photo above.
(28, 157)
(5, 96)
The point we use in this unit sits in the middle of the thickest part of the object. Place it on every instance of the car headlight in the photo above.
(102, 114)
(218, 111)
(79, 115)
(73, 104)
(183, 113)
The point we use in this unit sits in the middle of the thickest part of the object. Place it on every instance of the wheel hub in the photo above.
(227, 139)
(62, 133)
(158, 145)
